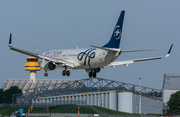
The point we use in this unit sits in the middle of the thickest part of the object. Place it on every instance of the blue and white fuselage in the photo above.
(82, 58)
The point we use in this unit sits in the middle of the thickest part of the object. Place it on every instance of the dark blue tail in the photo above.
(114, 42)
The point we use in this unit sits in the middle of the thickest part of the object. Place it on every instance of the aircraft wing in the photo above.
(137, 60)
(54, 60)
(57, 61)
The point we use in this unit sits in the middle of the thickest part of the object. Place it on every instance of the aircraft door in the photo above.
(101, 55)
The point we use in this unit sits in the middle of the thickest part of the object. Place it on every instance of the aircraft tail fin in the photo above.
(114, 42)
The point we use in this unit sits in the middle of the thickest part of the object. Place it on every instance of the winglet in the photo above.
(10, 39)
(169, 51)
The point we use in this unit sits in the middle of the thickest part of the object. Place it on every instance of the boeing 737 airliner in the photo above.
(91, 59)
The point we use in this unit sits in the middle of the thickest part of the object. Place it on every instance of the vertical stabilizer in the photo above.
(114, 42)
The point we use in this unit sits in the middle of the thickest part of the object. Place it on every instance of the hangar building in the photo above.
(101, 92)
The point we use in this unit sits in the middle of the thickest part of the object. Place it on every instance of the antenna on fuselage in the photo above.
(36, 50)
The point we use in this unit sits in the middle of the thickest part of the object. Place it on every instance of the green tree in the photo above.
(174, 103)
(9, 93)
(1, 96)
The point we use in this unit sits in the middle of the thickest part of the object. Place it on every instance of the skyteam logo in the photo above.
(117, 32)
(87, 55)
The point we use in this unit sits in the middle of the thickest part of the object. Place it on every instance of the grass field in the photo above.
(10, 110)
(112, 112)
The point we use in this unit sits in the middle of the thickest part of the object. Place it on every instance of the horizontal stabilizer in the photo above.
(124, 51)
(107, 49)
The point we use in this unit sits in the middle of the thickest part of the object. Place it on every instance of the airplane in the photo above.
(91, 59)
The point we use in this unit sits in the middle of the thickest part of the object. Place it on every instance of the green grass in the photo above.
(71, 110)
(10, 110)
(112, 112)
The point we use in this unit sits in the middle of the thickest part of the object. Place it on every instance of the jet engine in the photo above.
(47, 65)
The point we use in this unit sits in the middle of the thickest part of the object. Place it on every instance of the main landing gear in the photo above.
(92, 74)
(93, 71)
(66, 72)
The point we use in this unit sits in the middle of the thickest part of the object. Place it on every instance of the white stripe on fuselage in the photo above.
(83, 58)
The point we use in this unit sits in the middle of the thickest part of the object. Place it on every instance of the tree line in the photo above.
(6, 96)
(174, 103)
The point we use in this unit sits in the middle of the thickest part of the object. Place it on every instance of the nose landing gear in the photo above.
(46, 74)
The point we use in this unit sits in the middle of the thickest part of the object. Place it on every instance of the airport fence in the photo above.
(44, 105)
(106, 115)
(56, 115)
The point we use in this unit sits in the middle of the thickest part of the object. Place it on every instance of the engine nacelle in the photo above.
(95, 69)
(47, 65)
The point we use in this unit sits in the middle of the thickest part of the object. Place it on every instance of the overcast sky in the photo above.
(66, 24)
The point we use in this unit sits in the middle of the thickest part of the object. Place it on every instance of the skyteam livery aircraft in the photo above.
(90, 59)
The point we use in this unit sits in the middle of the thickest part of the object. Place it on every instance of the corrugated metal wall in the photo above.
(121, 101)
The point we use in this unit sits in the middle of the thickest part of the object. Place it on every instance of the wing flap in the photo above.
(58, 61)
(121, 63)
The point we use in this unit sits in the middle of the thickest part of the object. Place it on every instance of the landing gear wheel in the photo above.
(64, 72)
(68, 73)
(90, 74)
(46, 74)
(94, 75)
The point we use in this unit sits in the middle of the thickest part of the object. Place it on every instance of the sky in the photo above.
(67, 24)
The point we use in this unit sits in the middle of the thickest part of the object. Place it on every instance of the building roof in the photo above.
(171, 82)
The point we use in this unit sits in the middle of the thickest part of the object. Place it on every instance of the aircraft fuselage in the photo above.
(82, 58)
